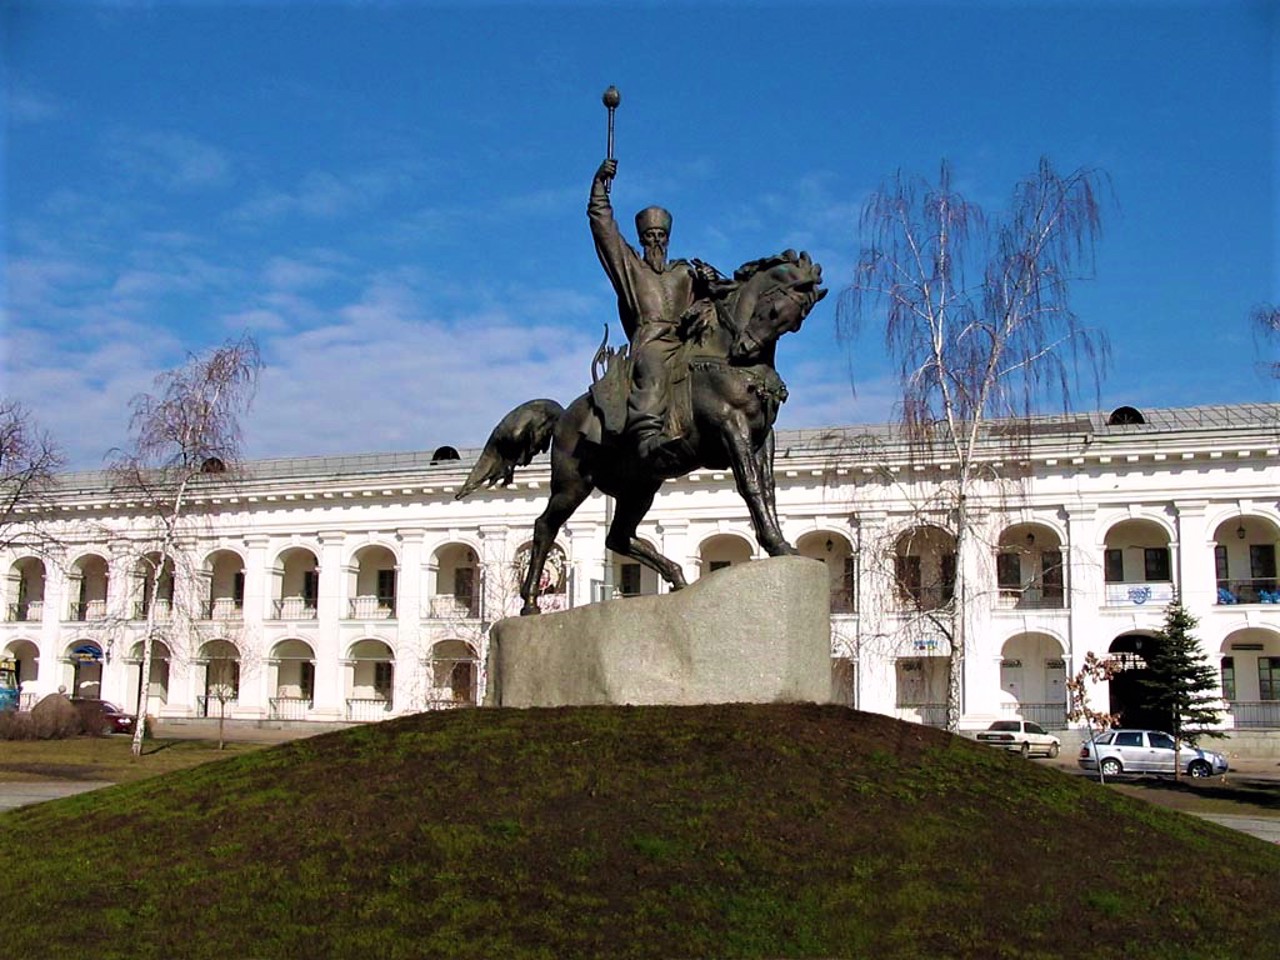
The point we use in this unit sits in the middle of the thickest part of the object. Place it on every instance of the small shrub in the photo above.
(16, 726)
(56, 718)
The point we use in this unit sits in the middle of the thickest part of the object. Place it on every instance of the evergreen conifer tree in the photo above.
(1178, 681)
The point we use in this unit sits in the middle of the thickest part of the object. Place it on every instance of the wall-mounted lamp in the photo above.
(1031, 539)
(830, 545)
(1240, 532)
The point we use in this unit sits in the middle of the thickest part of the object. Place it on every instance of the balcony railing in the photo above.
(1254, 714)
(1051, 716)
(293, 608)
(164, 610)
(26, 610)
(215, 707)
(1151, 594)
(371, 608)
(928, 714)
(88, 611)
(1248, 591)
(449, 607)
(368, 709)
(290, 708)
(925, 598)
(28, 700)
(224, 608)
(1031, 598)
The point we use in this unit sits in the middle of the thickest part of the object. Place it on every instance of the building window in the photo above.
(310, 587)
(1220, 565)
(629, 579)
(907, 572)
(464, 584)
(1262, 562)
(1051, 574)
(386, 588)
(383, 676)
(1269, 678)
(307, 680)
(1113, 565)
(1009, 573)
(237, 588)
(715, 565)
(1228, 678)
(948, 577)
(1155, 561)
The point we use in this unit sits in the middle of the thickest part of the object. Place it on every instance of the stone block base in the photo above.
(757, 632)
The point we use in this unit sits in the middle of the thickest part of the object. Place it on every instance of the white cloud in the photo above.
(174, 161)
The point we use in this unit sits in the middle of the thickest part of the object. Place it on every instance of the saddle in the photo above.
(611, 385)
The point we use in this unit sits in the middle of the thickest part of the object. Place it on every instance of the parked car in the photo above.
(1147, 751)
(1025, 737)
(100, 716)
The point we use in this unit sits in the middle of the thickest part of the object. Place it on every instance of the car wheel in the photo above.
(1111, 767)
(1199, 769)
(1025, 750)
(1053, 750)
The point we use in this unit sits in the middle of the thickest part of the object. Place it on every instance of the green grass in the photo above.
(107, 758)
(732, 831)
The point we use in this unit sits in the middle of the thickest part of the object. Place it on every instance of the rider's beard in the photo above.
(655, 255)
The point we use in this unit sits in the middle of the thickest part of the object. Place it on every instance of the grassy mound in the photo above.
(734, 831)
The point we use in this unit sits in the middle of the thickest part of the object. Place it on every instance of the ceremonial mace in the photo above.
(611, 99)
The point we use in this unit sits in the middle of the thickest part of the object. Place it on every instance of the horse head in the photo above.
(773, 297)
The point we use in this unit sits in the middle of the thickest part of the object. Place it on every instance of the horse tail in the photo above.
(521, 435)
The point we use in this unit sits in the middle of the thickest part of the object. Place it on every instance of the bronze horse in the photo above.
(728, 414)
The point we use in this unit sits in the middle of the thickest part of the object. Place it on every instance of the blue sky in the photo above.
(391, 196)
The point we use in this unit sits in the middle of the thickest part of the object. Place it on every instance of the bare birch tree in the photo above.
(29, 463)
(977, 315)
(1265, 320)
(185, 431)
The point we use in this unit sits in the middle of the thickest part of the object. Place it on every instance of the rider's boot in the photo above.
(659, 450)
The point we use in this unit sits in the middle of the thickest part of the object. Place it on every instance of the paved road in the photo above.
(1263, 828)
(21, 794)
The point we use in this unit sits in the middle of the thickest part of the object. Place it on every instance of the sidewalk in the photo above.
(13, 795)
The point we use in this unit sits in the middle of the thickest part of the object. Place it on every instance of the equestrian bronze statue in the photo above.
(695, 388)
(725, 401)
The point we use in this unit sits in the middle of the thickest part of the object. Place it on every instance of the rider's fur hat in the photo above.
(653, 217)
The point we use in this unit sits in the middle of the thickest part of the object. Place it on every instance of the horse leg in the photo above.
(756, 489)
(568, 490)
(622, 539)
(768, 487)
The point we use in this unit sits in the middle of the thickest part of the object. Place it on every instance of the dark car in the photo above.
(101, 716)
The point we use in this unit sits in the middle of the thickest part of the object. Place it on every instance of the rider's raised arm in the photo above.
(613, 251)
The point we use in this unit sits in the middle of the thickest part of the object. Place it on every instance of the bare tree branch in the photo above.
(29, 464)
(977, 313)
(187, 430)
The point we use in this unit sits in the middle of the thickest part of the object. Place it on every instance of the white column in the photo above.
(407, 692)
(330, 669)
(255, 672)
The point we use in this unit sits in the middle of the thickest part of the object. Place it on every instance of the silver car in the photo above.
(1146, 751)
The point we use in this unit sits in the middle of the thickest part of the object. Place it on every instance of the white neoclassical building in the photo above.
(357, 588)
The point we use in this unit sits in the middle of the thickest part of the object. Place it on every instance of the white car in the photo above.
(1025, 737)
(1147, 751)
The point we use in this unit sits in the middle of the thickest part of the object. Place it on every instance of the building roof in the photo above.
(855, 442)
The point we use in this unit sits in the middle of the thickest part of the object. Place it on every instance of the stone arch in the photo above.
(1033, 675)
(454, 668)
(723, 549)
(836, 550)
